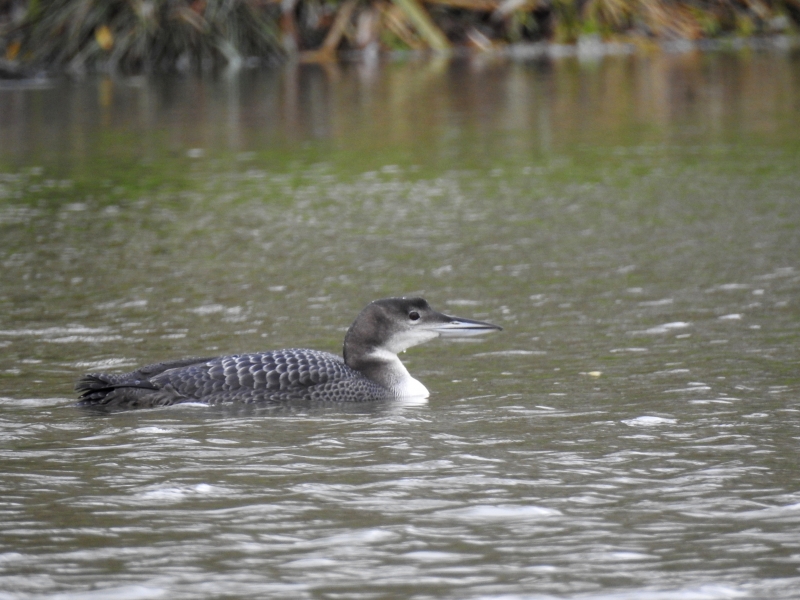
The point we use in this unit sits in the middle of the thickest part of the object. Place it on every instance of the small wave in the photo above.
(493, 512)
(94, 339)
(512, 353)
(53, 331)
(109, 363)
(665, 328)
(647, 421)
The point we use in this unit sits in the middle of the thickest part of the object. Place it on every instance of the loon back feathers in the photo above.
(279, 375)
(370, 369)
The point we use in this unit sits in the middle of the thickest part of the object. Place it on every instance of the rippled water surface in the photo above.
(632, 433)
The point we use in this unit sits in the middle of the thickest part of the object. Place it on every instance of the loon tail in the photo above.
(99, 389)
(128, 389)
(93, 383)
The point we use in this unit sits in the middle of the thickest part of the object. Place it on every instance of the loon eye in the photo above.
(413, 315)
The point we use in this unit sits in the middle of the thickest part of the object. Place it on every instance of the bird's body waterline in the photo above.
(369, 369)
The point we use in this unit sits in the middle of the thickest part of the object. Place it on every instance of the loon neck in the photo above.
(384, 368)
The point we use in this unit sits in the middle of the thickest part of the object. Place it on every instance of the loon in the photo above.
(369, 369)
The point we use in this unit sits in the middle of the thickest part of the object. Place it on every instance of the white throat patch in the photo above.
(403, 385)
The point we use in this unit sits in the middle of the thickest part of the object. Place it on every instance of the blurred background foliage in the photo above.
(146, 35)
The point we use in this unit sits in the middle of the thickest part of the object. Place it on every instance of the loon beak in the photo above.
(460, 327)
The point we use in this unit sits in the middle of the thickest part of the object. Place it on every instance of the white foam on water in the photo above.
(648, 421)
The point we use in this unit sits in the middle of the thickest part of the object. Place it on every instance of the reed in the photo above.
(140, 35)
(136, 35)
(673, 19)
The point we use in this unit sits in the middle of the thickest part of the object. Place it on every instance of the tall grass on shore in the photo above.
(135, 35)
(138, 35)
(688, 19)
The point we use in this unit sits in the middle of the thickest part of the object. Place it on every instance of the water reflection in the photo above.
(539, 105)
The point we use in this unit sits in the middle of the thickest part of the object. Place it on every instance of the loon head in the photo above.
(389, 326)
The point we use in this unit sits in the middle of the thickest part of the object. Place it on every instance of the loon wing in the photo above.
(276, 375)
(244, 376)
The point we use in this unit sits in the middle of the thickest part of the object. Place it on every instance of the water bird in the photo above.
(369, 368)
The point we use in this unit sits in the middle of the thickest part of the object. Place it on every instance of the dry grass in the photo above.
(136, 35)
(674, 19)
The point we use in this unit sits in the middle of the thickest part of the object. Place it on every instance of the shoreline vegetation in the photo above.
(134, 36)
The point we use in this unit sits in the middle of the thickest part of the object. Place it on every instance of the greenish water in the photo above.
(633, 224)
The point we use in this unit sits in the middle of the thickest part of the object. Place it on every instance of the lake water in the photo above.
(633, 223)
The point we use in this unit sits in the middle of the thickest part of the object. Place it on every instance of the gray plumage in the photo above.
(370, 369)
(277, 376)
